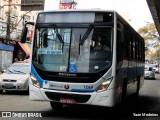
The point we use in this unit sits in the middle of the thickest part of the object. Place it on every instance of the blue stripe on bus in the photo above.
(34, 72)
(81, 90)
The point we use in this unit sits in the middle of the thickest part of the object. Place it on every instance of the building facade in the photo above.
(12, 20)
(11, 15)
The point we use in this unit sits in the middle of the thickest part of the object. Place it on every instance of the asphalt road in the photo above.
(145, 107)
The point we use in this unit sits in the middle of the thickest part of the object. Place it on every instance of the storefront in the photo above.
(6, 56)
(22, 51)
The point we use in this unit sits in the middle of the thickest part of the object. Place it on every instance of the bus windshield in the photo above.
(60, 49)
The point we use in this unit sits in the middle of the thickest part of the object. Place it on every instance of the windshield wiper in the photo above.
(89, 29)
(19, 71)
(58, 35)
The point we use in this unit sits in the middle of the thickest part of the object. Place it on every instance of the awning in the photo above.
(25, 48)
(6, 47)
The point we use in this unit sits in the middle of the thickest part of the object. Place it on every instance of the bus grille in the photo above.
(78, 98)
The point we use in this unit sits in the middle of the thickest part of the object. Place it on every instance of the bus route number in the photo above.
(88, 87)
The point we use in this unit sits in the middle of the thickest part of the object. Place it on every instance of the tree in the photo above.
(151, 37)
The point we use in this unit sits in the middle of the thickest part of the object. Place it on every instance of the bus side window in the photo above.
(125, 44)
(119, 49)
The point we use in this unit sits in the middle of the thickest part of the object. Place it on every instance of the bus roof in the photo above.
(76, 16)
(78, 10)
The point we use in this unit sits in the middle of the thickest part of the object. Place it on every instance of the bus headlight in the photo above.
(34, 81)
(104, 85)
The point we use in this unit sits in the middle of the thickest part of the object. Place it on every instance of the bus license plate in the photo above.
(67, 100)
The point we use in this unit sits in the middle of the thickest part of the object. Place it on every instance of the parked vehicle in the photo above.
(155, 67)
(149, 73)
(15, 78)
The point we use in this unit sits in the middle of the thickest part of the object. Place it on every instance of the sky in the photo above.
(136, 10)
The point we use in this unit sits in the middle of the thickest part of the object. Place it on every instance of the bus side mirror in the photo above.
(24, 34)
(24, 31)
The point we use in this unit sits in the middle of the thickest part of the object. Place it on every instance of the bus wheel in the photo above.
(56, 105)
(138, 87)
(124, 91)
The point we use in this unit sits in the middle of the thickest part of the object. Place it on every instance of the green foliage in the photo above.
(151, 37)
(149, 32)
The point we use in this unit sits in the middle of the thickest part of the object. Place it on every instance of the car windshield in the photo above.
(73, 49)
(148, 68)
(18, 69)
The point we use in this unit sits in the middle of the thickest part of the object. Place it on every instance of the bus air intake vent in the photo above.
(78, 98)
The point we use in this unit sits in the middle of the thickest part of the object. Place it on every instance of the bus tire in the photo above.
(56, 105)
(138, 87)
(124, 91)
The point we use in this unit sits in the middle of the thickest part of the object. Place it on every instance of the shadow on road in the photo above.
(121, 112)
(15, 92)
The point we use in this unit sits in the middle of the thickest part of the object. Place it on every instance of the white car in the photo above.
(15, 78)
(155, 67)
(149, 73)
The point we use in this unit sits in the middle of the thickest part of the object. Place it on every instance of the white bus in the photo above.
(91, 57)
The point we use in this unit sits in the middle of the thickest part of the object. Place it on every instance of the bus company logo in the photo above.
(6, 114)
(66, 87)
(66, 74)
(20, 114)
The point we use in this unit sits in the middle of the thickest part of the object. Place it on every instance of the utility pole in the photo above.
(8, 19)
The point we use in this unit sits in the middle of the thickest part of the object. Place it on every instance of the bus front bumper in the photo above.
(90, 98)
